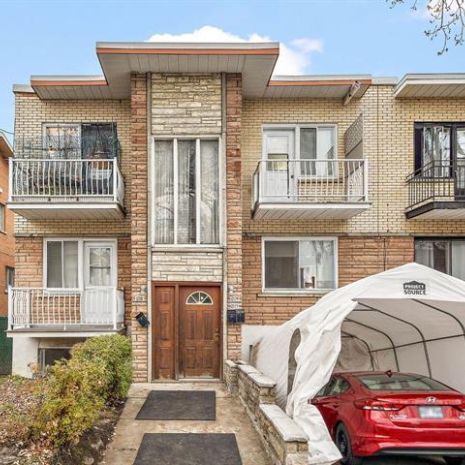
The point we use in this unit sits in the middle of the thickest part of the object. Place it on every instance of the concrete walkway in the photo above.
(231, 417)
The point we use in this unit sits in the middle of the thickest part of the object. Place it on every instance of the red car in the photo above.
(377, 413)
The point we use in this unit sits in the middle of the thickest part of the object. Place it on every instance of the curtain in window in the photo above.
(282, 264)
(100, 266)
(436, 151)
(63, 142)
(164, 192)
(458, 259)
(62, 264)
(70, 264)
(54, 260)
(186, 192)
(434, 254)
(317, 264)
(308, 150)
(209, 212)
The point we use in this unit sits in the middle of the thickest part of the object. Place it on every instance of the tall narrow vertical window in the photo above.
(62, 264)
(209, 188)
(164, 192)
(2, 217)
(187, 215)
(186, 191)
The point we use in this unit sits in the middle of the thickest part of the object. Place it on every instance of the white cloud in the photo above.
(294, 58)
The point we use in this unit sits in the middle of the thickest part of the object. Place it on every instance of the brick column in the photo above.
(139, 217)
(233, 207)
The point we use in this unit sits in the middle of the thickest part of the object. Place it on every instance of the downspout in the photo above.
(224, 218)
(149, 223)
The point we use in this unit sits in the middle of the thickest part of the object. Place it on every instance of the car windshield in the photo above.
(400, 382)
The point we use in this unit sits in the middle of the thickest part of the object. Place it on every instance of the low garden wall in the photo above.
(282, 438)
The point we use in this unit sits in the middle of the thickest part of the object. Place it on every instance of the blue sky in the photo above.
(320, 36)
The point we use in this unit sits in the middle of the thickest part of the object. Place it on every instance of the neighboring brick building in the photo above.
(7, 242)
(187, 186)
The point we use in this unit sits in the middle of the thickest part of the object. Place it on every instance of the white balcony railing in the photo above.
(66, 309)
(61, 181)
(311, 181)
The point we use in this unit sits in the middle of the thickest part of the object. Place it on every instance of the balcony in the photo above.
(70, 173)
(310, 189)
(71, 311)
(437, 191)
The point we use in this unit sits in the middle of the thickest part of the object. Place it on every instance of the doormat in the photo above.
(179, 405)
(188, 449)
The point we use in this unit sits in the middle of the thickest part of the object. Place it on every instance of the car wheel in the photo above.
(454, 460)
(345, 446)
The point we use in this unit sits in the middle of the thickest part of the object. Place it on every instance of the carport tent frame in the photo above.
(364, 307)
(397, 329)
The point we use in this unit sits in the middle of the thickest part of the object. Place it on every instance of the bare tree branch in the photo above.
(447, 19)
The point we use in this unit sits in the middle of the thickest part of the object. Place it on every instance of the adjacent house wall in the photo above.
(7, 242)
(370, 242)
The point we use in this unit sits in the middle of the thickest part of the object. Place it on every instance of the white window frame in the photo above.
(266, 290)
(198, 191)
(81, 261)
(296, 128)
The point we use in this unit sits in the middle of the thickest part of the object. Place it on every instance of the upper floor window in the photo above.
(86, 140)
(73, 264)
(186, 191)
(439, 147)
(299, 264)
(315, 143)
(445, 255)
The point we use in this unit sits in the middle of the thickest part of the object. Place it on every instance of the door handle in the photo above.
(216, 336)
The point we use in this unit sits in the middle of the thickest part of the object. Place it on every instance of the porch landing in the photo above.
(231, 417)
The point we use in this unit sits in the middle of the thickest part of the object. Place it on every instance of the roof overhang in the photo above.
(6, 150)
(255, 61)
(323, 86)
(431, 86)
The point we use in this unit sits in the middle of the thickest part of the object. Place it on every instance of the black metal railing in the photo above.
(68, 148)
(436, 181)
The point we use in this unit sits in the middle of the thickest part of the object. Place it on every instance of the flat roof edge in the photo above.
(26, 88)
(188, 45)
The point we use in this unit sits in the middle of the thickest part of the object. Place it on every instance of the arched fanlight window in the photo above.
(199, 298)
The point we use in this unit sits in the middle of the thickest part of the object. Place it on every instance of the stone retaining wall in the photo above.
(282, 438)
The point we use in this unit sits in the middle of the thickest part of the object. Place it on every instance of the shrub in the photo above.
(113, 353)
(75, 391)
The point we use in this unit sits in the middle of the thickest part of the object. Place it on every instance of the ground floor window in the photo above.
(443, 254)
(299, 264)
(77, 263)
(9, 277)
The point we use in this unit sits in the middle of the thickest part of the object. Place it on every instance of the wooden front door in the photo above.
(186, 331)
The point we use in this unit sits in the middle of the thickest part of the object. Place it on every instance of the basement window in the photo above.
(47, 357)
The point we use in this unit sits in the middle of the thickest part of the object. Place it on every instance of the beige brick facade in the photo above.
(377, 127)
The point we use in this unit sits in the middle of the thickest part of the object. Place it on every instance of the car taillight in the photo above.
(461, 406)
(377, 404)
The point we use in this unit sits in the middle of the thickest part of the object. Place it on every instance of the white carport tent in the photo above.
(423, 334)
